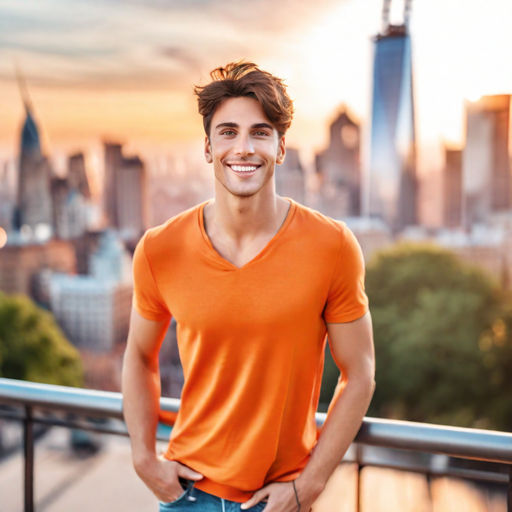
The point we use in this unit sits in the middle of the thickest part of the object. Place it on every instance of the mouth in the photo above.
(244, 170)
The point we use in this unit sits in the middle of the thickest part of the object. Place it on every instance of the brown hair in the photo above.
(246, 79)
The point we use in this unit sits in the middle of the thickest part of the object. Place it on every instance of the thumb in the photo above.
(186, 472)
(255, 498)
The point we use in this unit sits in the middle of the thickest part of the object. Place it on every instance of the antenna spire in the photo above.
(407, 12)
(23, 89)
(385, 15)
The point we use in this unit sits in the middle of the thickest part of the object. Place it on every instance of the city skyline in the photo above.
(98, 71)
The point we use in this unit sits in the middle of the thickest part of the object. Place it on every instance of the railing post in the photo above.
(28, 448)
(509, 491)
(358, 483)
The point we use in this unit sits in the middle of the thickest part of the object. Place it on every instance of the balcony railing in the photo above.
(32, 403)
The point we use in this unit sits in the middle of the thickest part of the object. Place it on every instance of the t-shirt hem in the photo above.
(229, 492)
(333, 319)
(149, 315)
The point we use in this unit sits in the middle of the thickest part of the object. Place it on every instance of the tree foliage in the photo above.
(32, 346)
(443, 339)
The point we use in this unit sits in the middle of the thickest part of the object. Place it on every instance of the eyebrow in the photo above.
(235, 125)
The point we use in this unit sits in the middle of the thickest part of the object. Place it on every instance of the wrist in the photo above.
(308, 487)
(143, 458)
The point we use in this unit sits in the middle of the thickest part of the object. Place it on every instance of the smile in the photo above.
(244, 168)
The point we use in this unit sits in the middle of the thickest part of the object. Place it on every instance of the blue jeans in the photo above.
(200, 501)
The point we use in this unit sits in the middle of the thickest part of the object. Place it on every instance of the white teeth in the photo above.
(243, 168)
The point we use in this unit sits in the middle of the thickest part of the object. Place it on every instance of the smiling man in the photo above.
(255, 282)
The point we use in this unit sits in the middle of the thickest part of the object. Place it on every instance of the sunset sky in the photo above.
(124, 69)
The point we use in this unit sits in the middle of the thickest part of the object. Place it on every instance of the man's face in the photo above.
(243, 146)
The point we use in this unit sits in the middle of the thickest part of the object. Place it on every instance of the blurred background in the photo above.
(401, 130)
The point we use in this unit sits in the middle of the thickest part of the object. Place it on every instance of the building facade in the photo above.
(94, 314)
(486, 159)
(452, 188)
(125, 192)
(338, 169)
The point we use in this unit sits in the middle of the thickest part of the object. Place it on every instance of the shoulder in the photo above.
(173, 231)
(324, 229)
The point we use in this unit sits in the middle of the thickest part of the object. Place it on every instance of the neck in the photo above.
(242, 217)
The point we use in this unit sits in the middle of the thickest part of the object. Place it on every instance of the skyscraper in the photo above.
(125, 192)
(485, 161)
(392, 182)
(34, 208)
(338, 167)
(452, 188)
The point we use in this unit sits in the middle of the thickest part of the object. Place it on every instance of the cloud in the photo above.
(129, 43)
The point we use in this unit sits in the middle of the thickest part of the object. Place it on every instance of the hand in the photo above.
(281, 497)
(161, 476)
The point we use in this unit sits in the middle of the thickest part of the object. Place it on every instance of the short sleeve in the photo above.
(347, 300)
(146, 297)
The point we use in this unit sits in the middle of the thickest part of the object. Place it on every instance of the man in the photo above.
(255, 282)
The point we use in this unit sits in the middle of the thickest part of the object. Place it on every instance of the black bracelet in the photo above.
(296, 496)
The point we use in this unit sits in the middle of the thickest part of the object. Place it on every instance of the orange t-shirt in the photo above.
(251, 341)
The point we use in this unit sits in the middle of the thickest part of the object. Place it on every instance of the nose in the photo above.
(244, 145)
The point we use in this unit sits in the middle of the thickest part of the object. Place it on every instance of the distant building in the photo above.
(339, 170)
(131, 199)
(7, 199)
(94, 310)
(94, 314)
(71, 199)
(489, 247)
(77, 175)
(34, 206)
(373, 235)
(452, 188)
(486, 159)
(125, 192)
(20, 262)
(110, 261)
(289, 176)
(392, 181)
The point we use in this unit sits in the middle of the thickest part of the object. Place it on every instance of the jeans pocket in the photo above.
(258, 507)
(165, 505)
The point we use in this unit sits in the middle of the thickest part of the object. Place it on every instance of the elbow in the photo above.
(365, 382)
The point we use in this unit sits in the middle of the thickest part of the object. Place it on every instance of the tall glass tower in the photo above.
(392, 183)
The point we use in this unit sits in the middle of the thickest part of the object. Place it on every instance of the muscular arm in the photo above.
(352, 349)
(141, 384)
(141, 404)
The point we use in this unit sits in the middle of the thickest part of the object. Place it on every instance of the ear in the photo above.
(281, 151)
(208, 150)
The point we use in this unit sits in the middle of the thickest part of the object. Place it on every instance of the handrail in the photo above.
(484, 445)
(37, 399)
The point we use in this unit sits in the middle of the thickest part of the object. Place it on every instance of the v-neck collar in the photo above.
(214, 254)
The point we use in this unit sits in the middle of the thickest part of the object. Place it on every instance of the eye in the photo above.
(229, 133)
(261, 133)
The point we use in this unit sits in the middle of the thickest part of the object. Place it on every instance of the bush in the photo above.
(32, 346)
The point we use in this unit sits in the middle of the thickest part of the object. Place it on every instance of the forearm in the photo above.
(141, 403)
(345, 415)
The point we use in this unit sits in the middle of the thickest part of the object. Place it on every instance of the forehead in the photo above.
(241, 110)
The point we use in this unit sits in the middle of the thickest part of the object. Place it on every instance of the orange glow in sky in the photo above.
(131, 78)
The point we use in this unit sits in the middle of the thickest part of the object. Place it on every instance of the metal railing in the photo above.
(32, 403)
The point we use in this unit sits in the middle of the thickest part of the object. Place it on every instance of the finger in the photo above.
(186, 472)
(255, 498)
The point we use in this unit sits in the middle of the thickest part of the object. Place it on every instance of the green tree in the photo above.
(443, 340)
(32, 346)
(442, 337)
